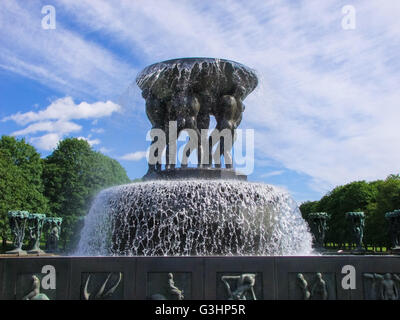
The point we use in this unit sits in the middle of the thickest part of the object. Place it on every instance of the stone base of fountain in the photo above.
(395, 250)
(195, 173)
(199, 278)
(17, 252)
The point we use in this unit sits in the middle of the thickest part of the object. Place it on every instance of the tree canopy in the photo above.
(73, 174)
(373, 198)
(21, 186)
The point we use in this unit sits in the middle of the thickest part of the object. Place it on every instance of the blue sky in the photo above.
(326, 111)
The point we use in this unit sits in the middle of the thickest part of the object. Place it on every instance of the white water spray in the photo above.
(194, 217)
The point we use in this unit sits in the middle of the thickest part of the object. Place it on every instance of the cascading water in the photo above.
(194, 217)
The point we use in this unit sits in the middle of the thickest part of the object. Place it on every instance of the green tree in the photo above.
(21, 187)
(308, 207)
(388, 199)
(73, 175)
(374, 198)
(355, 196)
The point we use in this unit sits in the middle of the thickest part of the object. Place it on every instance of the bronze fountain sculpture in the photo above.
(189, 91)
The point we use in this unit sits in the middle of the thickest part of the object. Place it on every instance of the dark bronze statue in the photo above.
(317, 222)
(18, 221)
(228, 114)
(357, 223)
(53, 234)
(187, 92)
(393, 219)
(36, 222)
(156, 112)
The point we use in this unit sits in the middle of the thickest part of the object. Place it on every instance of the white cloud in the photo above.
(60, 58)
(135, 156)
(49, 141)
(272, 174)
(92, 142)
(65, 109)
(97, 130)
(46, 142)
(60, 126)
(55, 120)
(105, 150)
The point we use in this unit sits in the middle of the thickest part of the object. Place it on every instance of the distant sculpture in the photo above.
(54, 226)
(357, 222)
(36, 222)
(393, 219)
(18, 220)
(102, 293)
(318, 226)
(302, 282)
(53, 239)
(34, 293)
(244, 285)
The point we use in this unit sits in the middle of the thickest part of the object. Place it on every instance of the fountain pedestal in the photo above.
(195, 173)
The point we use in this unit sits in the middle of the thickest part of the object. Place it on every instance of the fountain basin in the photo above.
(192, 218)
(211, 77)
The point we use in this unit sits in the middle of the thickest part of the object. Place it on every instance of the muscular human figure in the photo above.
(228, 115)
(319, 290)
(376, 278)
(186, 115)
(155, 111)
(388, 289)
(304, 286)
(173, 290)
(245, 283)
